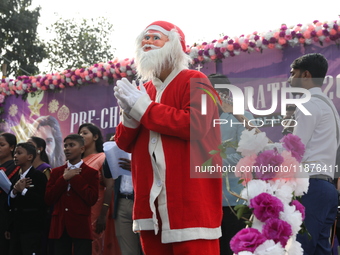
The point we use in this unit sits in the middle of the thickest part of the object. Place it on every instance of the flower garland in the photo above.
(216, 50)
(273, 182)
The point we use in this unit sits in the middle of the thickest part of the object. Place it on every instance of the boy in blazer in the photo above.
(28, 209)
(72, 189)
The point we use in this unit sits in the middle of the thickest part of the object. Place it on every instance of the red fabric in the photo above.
(168, 26)
(152, 245)
(72, 209)
(191, 202)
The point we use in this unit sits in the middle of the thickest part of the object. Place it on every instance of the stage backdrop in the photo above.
(257, 73)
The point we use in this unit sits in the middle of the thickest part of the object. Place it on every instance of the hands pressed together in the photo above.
(127, 93)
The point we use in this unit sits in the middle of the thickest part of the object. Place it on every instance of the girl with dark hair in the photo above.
(8, 143)
(41, 162)
(104, 238)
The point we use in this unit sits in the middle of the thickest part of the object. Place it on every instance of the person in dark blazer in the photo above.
(72, 189)
(27, 207)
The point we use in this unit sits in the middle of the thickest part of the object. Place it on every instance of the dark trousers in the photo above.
(25, 243)
(65, 244)
(230, 226)
(321, 202)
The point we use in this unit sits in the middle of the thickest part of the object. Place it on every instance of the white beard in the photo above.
(151, 63)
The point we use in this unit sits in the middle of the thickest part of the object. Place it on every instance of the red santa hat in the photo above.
(165, 27)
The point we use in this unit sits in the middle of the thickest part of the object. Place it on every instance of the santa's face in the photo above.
(153, 40)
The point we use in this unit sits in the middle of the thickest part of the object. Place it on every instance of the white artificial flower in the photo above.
(269, 247)
(300, 183)
(258, 43)
(322, 37)
(257, 224)
(278, 46)
(251, 143)
(271, 146)
(317, 28)
(285, 193)
(51, 86)
(226, 54)
(211, 52)
(237, 52)
(293, 247)
(309, 41)
(292, 217)
(112, 70)
(254, 188)
(245, 253)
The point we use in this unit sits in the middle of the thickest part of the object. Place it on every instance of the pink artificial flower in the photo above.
(333, 31)
(266, 206)
(302, 40)
(278, 230)
(293, 144)
(247, 239)
(319, 33)
(271, 45)
(230, 47)
(282, 41)
(244, 168)
(288, 167)
(307, 34)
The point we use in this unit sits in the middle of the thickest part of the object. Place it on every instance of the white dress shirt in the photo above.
(318, 132)
(69, 165)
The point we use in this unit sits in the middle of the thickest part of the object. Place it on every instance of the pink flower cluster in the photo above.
(277, 39)
(272, 165)
(68, 78)
(266, 208)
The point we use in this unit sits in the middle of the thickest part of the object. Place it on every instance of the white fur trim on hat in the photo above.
(158, 28)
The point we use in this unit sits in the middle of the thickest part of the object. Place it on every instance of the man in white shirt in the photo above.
(319, 133)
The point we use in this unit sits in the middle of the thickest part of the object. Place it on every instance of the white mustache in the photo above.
(150, 46)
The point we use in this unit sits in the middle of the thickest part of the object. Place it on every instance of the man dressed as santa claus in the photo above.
(164, 129)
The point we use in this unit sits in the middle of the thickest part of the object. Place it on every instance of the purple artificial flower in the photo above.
(266, 163)
(200, 52)
(282, 34)
(247, 239)
(313, 33)
(277, 230)
(299, 207)
(272, 40)
(266, 206)
(293, 144)
(236, 46)
(325, 32)
(265, 42)
(231, 41)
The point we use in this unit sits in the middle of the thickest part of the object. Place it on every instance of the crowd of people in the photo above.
(66, 207)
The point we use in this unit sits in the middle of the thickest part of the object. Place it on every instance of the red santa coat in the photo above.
(161, 135)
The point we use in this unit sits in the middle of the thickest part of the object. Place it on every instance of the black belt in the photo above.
(322, 177)
(126, 196)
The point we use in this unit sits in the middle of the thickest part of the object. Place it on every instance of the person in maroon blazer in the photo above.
(72, 189)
